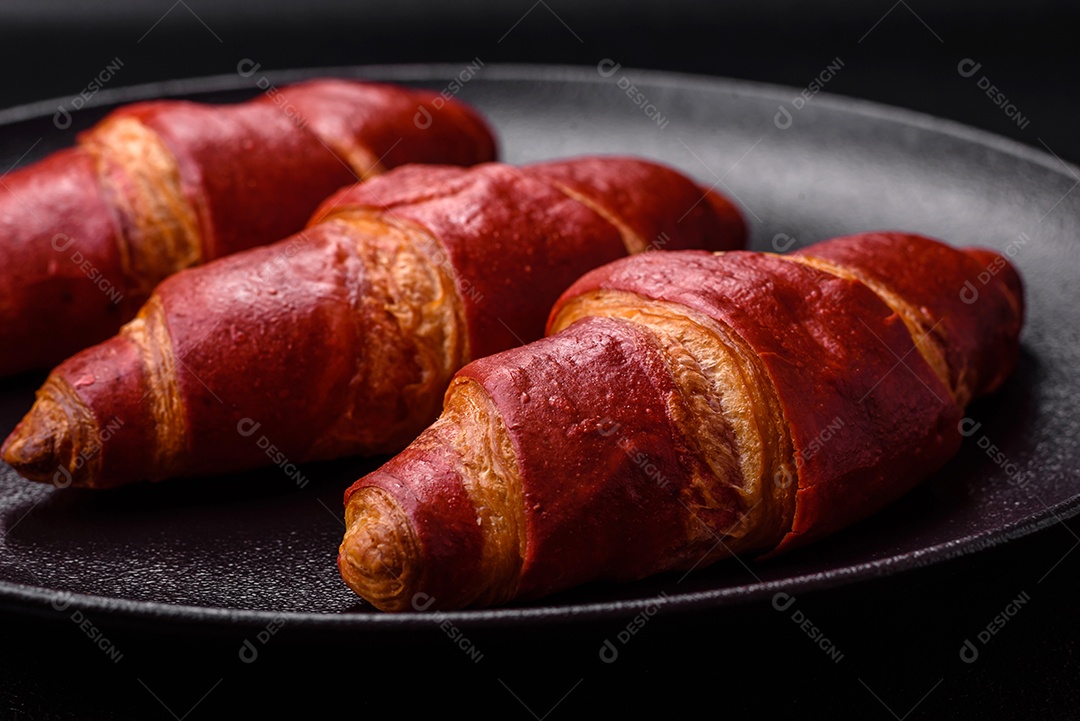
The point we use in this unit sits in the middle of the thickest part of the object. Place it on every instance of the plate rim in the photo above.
(226, 82)
(52, 603)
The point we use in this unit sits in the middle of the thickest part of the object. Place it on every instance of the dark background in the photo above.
(900, 636)
(901, 53)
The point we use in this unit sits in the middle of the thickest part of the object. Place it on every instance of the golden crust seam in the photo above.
(492, 480)
(744, 440)
(633, 242)
(149, 332)
(160, 228)
(429, 251)
(379, 557)
(919, 326)
(410, 302)
(67, 450)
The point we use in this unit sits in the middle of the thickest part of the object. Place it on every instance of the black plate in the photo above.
(250, 549)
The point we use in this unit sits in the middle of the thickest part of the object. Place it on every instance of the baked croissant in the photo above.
(86, 233)
(688, 406)
(342, 339)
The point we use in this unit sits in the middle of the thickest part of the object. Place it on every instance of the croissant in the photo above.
(342, 339)
(86, 233)
(688, 407)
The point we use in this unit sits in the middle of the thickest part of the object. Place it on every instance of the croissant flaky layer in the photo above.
(155, 187)
(687, 407)
(342, 339)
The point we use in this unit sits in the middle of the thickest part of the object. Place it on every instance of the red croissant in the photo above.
(342, 339)
(155, 187)
(688, 407)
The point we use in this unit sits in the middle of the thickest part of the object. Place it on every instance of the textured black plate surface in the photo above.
(245, 550)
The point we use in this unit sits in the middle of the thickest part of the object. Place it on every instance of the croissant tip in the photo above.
(33, 455)
(42, 445)
(358, 563)
(377, 558)
(351, 574)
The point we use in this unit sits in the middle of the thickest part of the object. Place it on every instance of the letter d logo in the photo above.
(968, 426)
(62, 477)
(422, 119)
(607, 67)
(967, 68)
(422, 601)
(969, 293)
(782, 241)
(782, 119)
(247, 67)
(782, 601)
(61, 242)
(62, 118)
(248, 652)
(607, 427)
(246, 426)
(608, 652)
